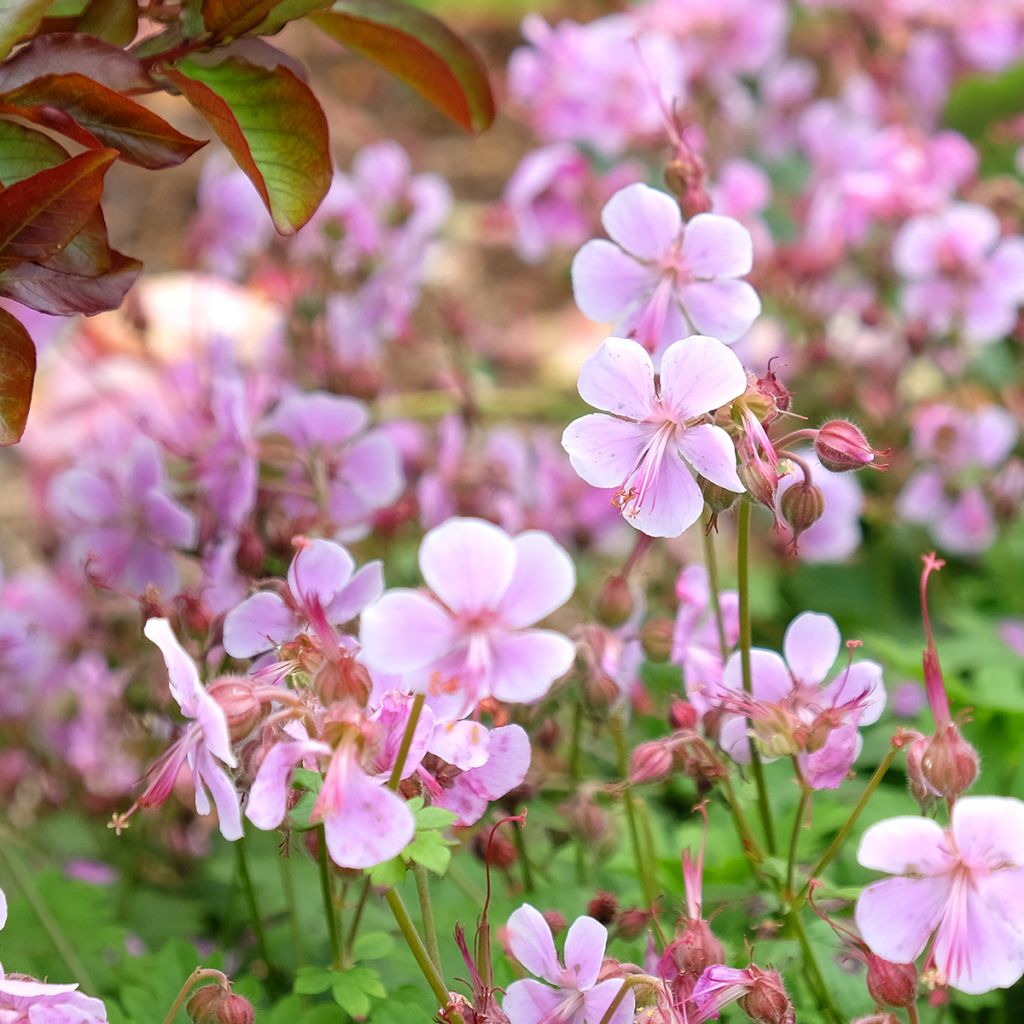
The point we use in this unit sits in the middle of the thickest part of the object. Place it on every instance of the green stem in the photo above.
(847, 828)
(356, 918)
(711, 564)
(743, 572)
(751, 848)
(51, 926)
(199, 974)
(415, 943)
(410, 731)
(255, 919)
(295, 925)
(419, 872)
(647, 882)
(794, 842)
(813, 972)
(631, 982)
(524, 859)
(327, 895)
(575, 773)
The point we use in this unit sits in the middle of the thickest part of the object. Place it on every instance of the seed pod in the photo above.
(842, 447)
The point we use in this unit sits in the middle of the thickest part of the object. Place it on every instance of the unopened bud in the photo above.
(693, 951)
(802, 505)
(649, 762)
(767, 1002)
(682, 714)
(603, 907)
(718, 499)
(759, 479)
(548, 735)
(632, 922)
(495, 849)
(656, 639)
(194, 614)
(235, 1009)
(891, 984)
(615, 602)
(949, 763)
(556, 921)
(202, 1007)
(239, 704)
(917, 783)
(250, 554)
(841, 447)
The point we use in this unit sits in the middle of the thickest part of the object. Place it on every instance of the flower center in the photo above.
(632, 496)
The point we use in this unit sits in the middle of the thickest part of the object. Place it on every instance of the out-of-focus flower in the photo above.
(649, 437)
(659, 279)
(696, 643)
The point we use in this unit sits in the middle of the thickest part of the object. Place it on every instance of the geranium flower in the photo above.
(964, 883)
(577, 996)
(660, 279)
(469, 639)
(654, 433)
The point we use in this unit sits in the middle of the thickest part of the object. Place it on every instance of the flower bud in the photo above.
(649, 762)
(556, 921)
(202, 1007)
(949, 764)
(891, 984)
(916, 782)
(235, 1009)
(656, 639)
(238, 702)
(250, 554)
(692, 952)
(718, 499)
(615, 602)
(495, 849)
(682, 714)
(802, 505)
(603, 907)
(841, 447)
(759, 479)
(632, 922)
(767, 1002)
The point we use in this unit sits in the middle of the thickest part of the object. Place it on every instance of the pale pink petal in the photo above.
(710, 451)
(373, 469)
(861, 683)
(988, 317)
(404, 631)
(717, 246)
(721, 309)
(619, 378)
(644, 221)
(83, 497)
(699, 374)
(530, 1002)
(915, 248)
(165, 519)
(143, 469)
(604, 450)
(3, 909)
(370, 825)
(584, 951)
(734, 738)
(259, 623)
(897, 916)
(530, 942)
(607, 283)
(225, 797)
(463, 744)
(905, 846)
(600, 997)
(268, 797)
(508, 761)
(990, 829)
(466, 803)
(318, 571)
(468, 563)
(811, 646)
(770, 678)
(543, 581)
(214, 724)
(979, 945)
(366, 585)
(829, 765)
(316, 419)
(674, 503)
(967, 525)
(183, 677)
(971, 229)
(525, 664)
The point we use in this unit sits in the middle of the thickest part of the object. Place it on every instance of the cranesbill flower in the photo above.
(652, 436)
(659, 279)
(696, 644)
(965, 884)
(38, 1002)
(324, 590)
(468, 639)
(577, 997)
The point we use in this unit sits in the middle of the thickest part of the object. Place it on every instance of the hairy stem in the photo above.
(644, 872)
(806, 794)
(350, 941)
(711, 564)
(410, 731)
(813, 972)
(416, 946)
(199, 974)
(327, 895)
(419, 872)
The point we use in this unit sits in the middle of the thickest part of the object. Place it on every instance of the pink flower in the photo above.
(577, 996)
(653, 434)
(696, 645)
(324, 590)
(960, 275)
(469, 638)
(659, 279)
(964, 883)
(201, 746)
(793, 711)
(37, 1002)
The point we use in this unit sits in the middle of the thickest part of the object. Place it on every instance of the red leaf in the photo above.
(63, 294)
(273, 126)
(55, 53)
(17, 372)
(139, 135)
(418, 49)
(41, 214)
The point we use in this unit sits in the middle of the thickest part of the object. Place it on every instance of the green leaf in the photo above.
(18, 18)
(419, 50)
(39, 215)
(273, 126)
(285, 11)
(115, 21)
(17, 372)
(353, 989)
(374, 946)
(311, 981)
(431, 850)
(24, 151)
(140, 136)
(229, 18)
(389, 874)
(434, 817)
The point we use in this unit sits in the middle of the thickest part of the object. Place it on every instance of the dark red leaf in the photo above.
(63, 294)
(56, 53)
(41, 214)
(17, 372)
(273, 126)
(139, 135)
(418, 49)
